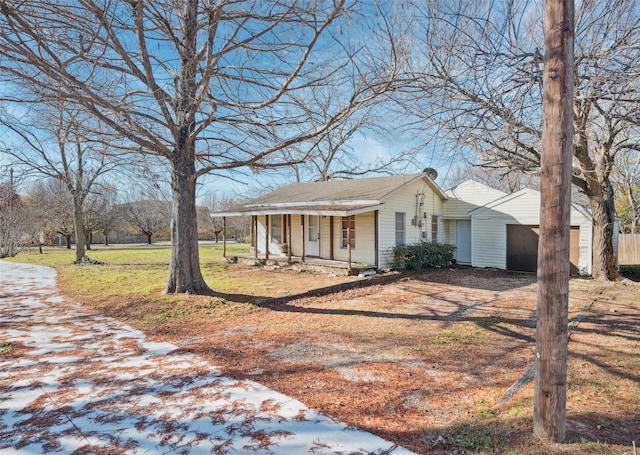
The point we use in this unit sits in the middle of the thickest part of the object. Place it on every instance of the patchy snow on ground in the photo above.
(78, 382)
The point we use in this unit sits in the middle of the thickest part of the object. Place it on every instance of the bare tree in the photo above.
(478, 72)
(11, 219)
(56, 143)
(333, 154)
(38, 214)
(148, 216)
(109, 215)
(202, 84)
(60, 205)
(236, 226)
(627, 184)
(91, 216)
(500, 179)
(240, 227)
(214, 203)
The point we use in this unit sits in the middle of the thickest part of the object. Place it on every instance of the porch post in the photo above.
(376, 242)
(266, 236)
(224, 236)
(289, 236)
(254, 235)
(331, 238)
(304, 249)
(349, 243)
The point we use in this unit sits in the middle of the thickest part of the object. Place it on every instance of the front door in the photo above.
(312, 238)
(463, 241)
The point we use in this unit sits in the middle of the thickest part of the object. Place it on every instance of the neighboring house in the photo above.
(358, 222)
(354, 221)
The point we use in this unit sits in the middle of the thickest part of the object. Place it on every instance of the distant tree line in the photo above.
(43, 215)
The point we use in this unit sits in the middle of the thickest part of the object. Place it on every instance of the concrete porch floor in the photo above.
(310, 263)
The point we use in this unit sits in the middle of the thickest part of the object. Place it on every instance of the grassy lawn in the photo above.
(126, 270)
(130, 279)
(421, 361)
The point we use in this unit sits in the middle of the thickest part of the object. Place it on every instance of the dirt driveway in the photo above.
(425, 360)
(76, 382)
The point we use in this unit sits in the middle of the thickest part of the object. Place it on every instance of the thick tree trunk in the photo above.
(68, 240)
(79, 230)
(596, 185)
(184, 268)
(603, 212)
(550, 395)
(149, 239)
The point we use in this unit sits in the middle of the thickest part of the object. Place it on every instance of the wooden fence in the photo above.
(629, 249)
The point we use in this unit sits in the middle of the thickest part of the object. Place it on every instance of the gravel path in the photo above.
(75, 382)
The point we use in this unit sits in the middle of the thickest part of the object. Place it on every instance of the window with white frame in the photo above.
(348, 231)
(314, 228)
(401, 235)
(276, 228)
(434, 228)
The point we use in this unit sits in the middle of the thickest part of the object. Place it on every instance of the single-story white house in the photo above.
(358, 222)
(355, 221)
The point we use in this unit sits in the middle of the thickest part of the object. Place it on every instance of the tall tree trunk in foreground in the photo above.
(550, 398)
(184, 268)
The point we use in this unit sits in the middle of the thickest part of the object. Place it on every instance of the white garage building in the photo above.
(502, 232)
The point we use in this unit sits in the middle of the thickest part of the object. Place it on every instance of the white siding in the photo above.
(405, 201)
(489, 229)
(468, 196)
(586, 236)
(364, 250)
(489, 242)
(274, 246)
(448, 232)
(297, 235)
(325, 236)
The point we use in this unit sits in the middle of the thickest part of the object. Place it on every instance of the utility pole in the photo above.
(550, 400)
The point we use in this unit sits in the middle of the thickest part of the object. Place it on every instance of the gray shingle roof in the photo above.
(368, 189)
(333, 195)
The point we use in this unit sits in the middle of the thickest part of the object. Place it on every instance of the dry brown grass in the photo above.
(422, 360)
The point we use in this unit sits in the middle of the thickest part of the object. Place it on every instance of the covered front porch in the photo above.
(343, 241)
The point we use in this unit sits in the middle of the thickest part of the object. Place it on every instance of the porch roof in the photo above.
(331, 198)
(305, 209)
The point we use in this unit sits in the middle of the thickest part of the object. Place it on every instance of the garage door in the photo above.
(522, 248)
